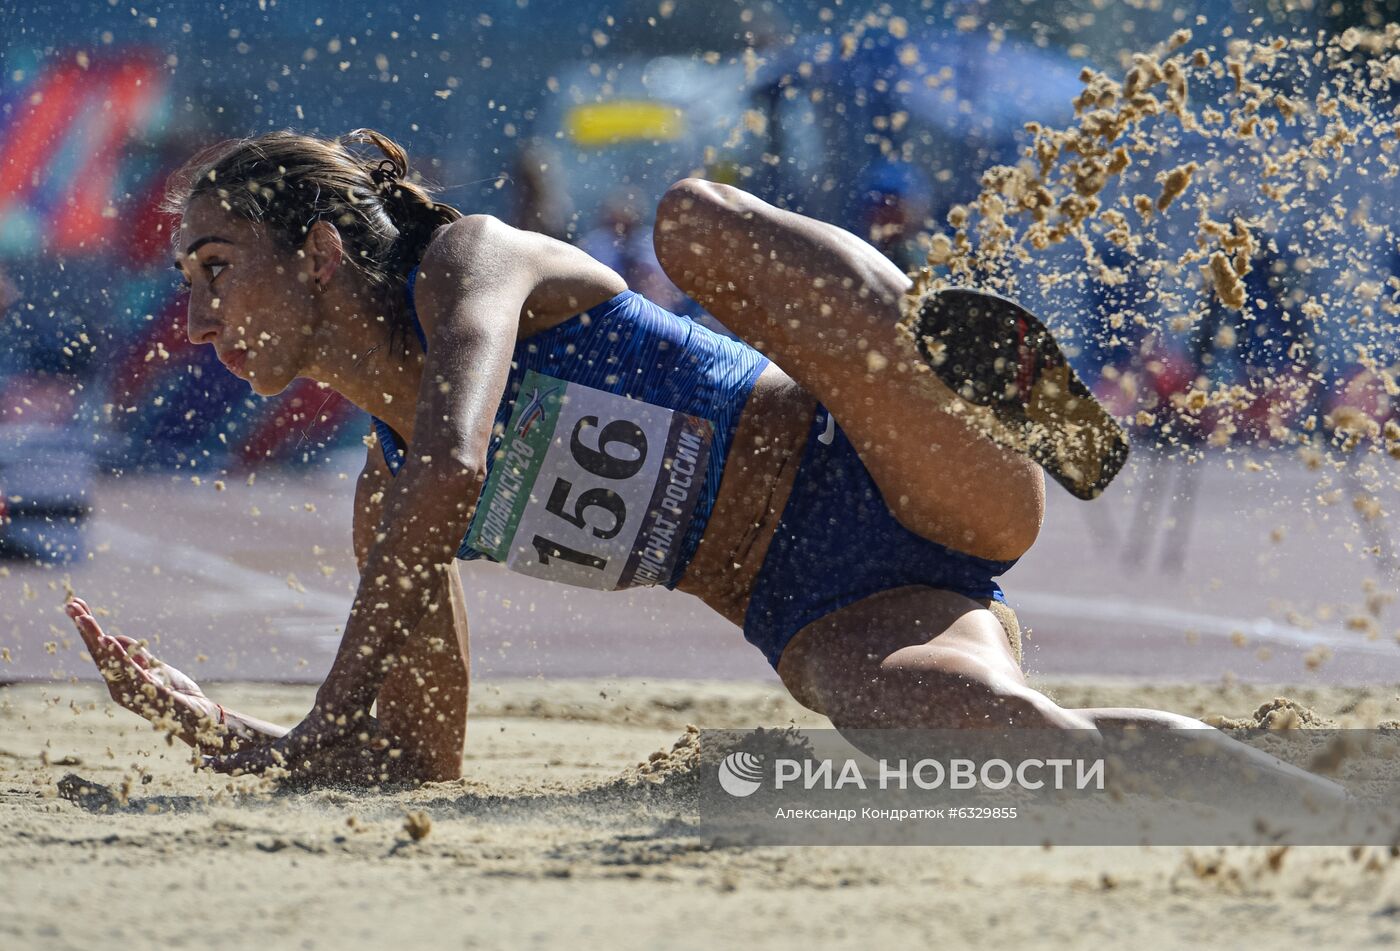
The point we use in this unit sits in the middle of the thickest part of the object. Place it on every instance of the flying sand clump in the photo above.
(1290, 122)
(1233, 202)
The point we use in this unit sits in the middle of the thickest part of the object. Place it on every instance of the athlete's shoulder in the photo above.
(478, 254)
(470, 236)
(483, 248)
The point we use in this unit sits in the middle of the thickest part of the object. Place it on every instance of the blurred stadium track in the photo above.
(253, 583)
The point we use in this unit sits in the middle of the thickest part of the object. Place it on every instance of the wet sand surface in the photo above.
(556, 836)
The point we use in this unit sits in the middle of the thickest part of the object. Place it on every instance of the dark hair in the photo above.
(288, 181)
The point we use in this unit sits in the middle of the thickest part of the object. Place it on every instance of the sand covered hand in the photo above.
(143, 684)
(304, 750)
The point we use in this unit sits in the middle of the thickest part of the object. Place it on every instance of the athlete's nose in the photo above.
(201, 329)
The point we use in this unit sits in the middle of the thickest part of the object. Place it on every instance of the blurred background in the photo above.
(571, 119)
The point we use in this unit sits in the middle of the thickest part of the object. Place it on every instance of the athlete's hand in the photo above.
(302, 751)
(141, 683)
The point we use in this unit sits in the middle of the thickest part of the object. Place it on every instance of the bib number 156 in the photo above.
(620, 454)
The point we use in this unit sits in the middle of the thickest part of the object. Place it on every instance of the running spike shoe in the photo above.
(1018, 387)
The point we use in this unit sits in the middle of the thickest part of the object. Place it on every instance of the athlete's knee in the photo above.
(677, 215)
(689, 203)
(691, 196)
(694, 219)
(1015, 518)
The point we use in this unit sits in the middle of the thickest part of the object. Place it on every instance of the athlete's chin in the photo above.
(269, 384)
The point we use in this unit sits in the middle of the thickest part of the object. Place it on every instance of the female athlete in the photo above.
(842, 486)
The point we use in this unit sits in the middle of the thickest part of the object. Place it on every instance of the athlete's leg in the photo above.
(915, 657)
(422, 707)
(824, 306)
(923, 658)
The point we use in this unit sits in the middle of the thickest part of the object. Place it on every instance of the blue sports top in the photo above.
(631, 347)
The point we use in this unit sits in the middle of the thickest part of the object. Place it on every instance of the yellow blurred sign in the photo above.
(608, 123)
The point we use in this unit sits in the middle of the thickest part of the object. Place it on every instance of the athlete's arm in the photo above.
(425, 706)
(473, 285)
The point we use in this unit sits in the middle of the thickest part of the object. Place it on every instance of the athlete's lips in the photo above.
(234, 360)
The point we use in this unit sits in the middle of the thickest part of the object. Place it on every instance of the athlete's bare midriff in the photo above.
(758, 476)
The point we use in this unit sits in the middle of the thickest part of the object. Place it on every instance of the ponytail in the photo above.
(408, 204)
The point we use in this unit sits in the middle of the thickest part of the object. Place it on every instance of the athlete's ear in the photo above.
(321, 254)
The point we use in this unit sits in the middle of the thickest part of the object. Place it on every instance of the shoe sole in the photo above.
(1017, 387)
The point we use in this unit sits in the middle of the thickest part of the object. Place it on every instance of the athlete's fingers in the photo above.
(86, 625)
(136, 689)
(106, 652)
(128, 682)
(135, 650)
(118, 668)
(77, 609)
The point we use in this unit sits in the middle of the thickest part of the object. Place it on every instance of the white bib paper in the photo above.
(590, 488)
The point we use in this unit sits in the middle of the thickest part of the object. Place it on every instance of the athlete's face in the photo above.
(249, 299)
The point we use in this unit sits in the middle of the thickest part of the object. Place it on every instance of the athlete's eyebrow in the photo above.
(196, 245)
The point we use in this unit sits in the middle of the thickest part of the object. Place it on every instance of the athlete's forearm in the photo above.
(422, 707)
(425, 520)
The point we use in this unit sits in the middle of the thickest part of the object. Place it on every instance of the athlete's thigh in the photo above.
(825, 305)
(956, 644)
(805, 292)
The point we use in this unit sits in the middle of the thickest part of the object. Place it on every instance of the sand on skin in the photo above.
(555, 834)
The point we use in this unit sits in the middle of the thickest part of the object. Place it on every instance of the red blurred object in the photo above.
(99, 107)
(1361, 391)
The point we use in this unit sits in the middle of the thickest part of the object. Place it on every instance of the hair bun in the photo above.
(391, 167)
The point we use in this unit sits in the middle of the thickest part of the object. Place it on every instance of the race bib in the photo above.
(590, 488)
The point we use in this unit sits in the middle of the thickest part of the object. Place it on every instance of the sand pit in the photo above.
(564, 829)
